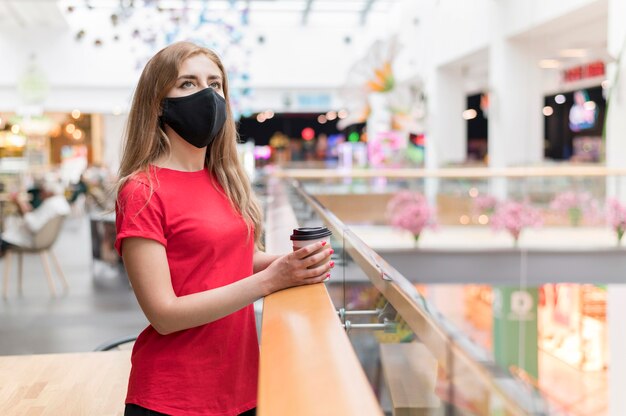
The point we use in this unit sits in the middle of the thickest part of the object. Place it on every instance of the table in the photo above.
(77, 384)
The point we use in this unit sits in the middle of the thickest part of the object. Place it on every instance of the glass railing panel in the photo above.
(553, 279)
(461, 375)
(369, 293)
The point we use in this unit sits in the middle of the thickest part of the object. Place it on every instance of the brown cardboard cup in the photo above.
(304, 236)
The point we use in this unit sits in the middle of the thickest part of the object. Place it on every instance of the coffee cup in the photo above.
(304, 236)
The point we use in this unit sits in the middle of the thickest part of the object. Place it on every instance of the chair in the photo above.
(122, 343)
(43, 241)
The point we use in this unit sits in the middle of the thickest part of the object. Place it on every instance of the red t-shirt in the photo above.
(211, 369)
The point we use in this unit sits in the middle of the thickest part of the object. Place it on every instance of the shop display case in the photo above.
(573, 325)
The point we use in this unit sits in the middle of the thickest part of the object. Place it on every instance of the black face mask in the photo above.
(197, 118)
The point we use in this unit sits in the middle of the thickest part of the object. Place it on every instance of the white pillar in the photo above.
(616, 157)
(449, 130)
(446, 141)
(616, 122)
(616, 310)
(516, 100)
(112, 137)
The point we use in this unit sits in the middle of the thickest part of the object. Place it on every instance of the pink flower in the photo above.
(410, 211)
(616, 216)
(575, 205)
(514, 216)
(484, 204)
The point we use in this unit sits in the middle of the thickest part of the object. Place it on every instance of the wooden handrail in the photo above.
(469, 172)
(307, 366)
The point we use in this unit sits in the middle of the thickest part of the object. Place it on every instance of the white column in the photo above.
(446, 141)
(449, 129)
(616, 122)
(113, 128)
(516, 100)
(616, 157)
(616, 310)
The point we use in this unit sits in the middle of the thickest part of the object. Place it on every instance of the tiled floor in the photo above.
(87, 316)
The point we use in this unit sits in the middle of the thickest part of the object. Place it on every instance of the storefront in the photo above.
(32, 144)
(571, 322)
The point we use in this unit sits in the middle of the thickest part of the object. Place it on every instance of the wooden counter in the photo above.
(92, 383)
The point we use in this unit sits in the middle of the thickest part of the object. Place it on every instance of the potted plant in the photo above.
(514, 216)
(411, 211)
(575, 205)
(616, 217)
(484, 204)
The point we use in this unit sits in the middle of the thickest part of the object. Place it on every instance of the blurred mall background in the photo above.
(477, 146)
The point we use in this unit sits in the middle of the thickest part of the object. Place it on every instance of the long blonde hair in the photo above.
(146, 142)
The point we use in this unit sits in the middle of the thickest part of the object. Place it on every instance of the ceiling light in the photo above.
(75, 114)
(331, 115)
(559, 99)
(342, 114)
(549, 64)
(269, 114)
(470, 114)
(573, 53)
(548, 111)
(260, 117)
(321, 119)
(15, 129)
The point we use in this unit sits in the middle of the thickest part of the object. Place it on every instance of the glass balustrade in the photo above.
(474, 317)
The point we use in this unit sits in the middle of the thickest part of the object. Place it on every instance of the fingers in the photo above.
(308, 265)
(308, 250)
(314, 272)
(316, 279)
(322, 257)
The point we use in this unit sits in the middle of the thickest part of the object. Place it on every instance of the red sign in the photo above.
(578, 73)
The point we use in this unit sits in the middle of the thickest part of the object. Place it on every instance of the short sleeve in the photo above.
(138, 213)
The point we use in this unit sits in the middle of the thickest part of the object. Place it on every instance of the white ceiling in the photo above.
(30, 13)
(52, 13)
(584, 30)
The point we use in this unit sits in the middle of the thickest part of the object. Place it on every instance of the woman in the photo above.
(189, 229)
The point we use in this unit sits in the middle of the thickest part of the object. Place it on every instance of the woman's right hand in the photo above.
(295, 269)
